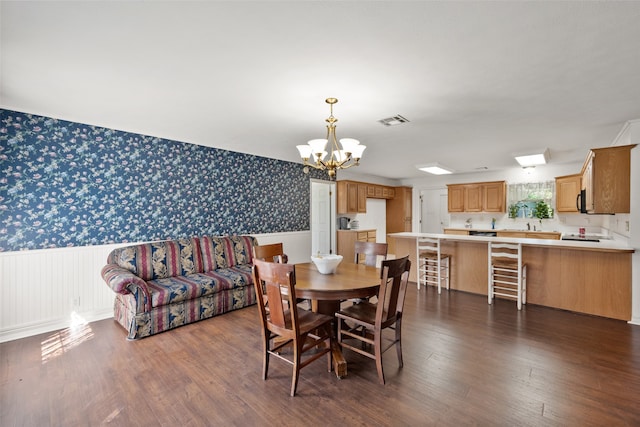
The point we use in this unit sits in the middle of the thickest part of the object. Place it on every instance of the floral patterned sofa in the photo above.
(163, 285)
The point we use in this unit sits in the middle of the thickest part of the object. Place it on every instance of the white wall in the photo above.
(376, 217)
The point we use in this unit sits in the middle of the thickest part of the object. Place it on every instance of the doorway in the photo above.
(434, 214)
(323, 217)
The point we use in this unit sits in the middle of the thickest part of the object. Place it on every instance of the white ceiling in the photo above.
(479, 81)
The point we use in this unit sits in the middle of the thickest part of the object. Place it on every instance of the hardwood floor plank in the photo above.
(465, 363)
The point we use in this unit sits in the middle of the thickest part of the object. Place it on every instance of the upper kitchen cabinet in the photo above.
(606, 180)
(352, 197)
(494, 194)
(399, 211)
(567, 190)
(477, 197)
(455, 199)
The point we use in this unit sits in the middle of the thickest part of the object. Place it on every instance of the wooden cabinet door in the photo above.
(610, 180)
(361, 203)
(352, 198)
(371, 190)
(341, 196)
(455, 198)
(567, 191)
(472, 198)
(408, 209)
(494, 197)
(399, 211)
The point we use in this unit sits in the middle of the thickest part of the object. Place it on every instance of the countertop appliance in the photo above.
(583, 237)
(483, 233)
(344, 222)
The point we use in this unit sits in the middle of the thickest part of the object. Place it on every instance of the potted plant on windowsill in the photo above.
(542, 211)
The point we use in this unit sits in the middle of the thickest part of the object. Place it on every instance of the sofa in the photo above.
(164, 285)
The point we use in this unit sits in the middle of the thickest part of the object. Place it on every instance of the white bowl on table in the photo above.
(326, 263)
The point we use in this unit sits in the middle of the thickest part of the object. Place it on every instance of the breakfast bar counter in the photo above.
(585, 277)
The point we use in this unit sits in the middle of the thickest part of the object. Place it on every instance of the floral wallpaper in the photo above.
(71, 184)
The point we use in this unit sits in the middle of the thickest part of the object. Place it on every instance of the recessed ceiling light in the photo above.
(435, 169)
(393, 121)
(540, 157)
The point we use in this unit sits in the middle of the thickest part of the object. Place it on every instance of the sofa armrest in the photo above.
(123, 281)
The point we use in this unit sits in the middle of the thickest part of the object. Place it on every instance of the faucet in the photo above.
(468, 223)
(529, 227)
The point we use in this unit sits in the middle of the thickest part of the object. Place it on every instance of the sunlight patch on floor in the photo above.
(64, 340)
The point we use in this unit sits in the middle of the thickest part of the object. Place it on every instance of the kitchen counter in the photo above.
(601, 246)
(507, 232)
(585, 277)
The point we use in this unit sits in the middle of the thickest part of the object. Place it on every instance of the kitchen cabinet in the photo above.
(494, 194)
(400, 211)
(375, 191)
(477, 197)
(473, 198)
(456, 231)
(455, 199)
(606, 180)
(567, 190)
(347, 239)
(351, 197)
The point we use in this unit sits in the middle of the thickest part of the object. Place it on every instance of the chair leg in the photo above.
(490, 285)
(399, 342)
(265, 360)
(330, 354)
(296, 367)
(377, 344)
(448, 264)
(524, 284)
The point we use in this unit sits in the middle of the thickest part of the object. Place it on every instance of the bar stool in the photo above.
(507, 273)
(433, 265)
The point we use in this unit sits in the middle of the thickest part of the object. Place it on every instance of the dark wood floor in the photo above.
(466, 363)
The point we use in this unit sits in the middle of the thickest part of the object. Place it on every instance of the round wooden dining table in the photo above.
(326, 291)
(349, 281)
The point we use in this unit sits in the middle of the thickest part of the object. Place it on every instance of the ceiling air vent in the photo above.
(393, 121)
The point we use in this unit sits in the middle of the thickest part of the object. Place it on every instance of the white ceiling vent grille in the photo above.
(393, 121)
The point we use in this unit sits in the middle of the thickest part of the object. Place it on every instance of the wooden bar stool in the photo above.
(507, 273)
(433, 265)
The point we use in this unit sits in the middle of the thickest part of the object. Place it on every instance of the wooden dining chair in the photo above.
(270, 253)
(368, 252)
(370, 320)
(309, 334)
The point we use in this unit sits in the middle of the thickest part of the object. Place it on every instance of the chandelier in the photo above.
(339, 158)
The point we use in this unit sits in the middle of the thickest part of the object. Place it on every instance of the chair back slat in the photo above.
(278, 282)
(393, 286)
(270, 253)
(371, 251)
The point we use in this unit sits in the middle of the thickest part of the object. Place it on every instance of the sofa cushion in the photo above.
(208, 253)
(225, 252)
(181, 288)
(160, 260)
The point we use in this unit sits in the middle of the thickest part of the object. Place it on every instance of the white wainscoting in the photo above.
(45, 290)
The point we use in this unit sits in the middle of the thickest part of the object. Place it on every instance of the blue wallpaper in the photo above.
(71, 184)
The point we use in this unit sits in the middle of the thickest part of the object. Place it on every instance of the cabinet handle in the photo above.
(578, 202)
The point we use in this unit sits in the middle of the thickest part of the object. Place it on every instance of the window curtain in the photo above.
(527, 194)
